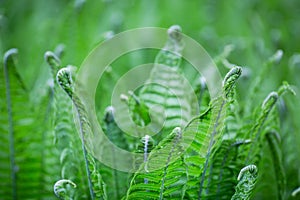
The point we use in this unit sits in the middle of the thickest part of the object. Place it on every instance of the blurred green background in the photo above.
(255, 28)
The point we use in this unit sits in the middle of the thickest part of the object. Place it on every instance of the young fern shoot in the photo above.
(64, 78)
(247, 179)
(7, 59)
(220, 105)
(61, 190)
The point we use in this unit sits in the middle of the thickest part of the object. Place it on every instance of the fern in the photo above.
(273, 140)
(247, 179)
(116, 181)
(274, 59)
(96, 185)
(10, 123)
(65, 138)
(166, 88)
(20, 128)
(61, 191)
(163, 181)
(217, 128)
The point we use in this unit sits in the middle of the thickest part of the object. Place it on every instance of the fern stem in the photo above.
(13, 165)
(64, 79)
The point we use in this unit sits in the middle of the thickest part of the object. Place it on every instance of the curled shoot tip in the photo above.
(146, 138)
(108, 35)
(174, 32)
(230, 79)
(177, 133)
(136, 99)
(202, 81)
(9, 53)
(124, 98)
(109, 114)
(241, 142)
(52, 60)
(270, 100)
(252, 169)
(234, 72)
(64, 79)
(177, 130)
(276, 57)
(285, 87)
(60, 188)
(296, 192)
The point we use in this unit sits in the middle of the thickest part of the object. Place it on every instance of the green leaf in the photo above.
(247, 179)
(164, 171)
(96, 185)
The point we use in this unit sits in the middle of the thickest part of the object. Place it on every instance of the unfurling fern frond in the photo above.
(67, 142)
(246, 183)
(255, 133)
(167, 90)
(145, 147)
(62, 191)
(64, 78)
(164, 171)
(116, 181)
(256, 86)
(170, 55)
(20, 127)
(208, 130)
(217, 128)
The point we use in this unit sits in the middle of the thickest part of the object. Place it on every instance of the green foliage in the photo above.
(241, 145)
(95, 182)
(247, 179)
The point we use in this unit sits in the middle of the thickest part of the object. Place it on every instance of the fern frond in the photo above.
(208, 130)
(7, 58)
(255, 132)
(64, 78)
(145, 147)
(116, 181)
(247, 179)
(166, 90)
(20, 126)
(61, 190)
(165, 172)
(202, 94)
(223, 168)
(266, 68)
(216, 136)
(67, 143)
